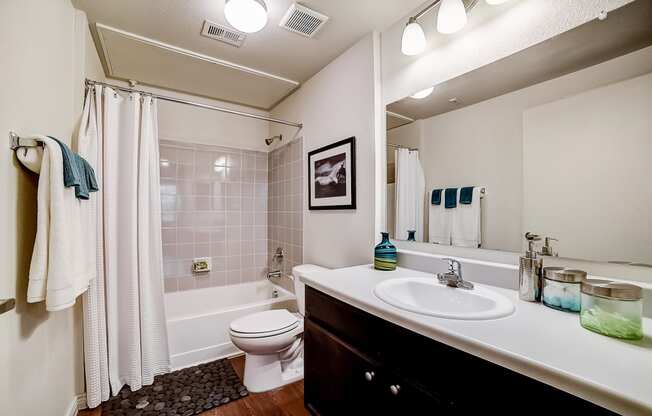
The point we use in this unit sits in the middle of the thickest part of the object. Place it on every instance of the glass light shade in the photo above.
(414, 40)
(423, 93)
(496, 2)
(247, 16)
(451, 16)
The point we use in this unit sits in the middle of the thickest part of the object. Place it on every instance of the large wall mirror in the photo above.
(555, 140)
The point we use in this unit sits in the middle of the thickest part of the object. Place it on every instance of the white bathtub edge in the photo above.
(204, 355)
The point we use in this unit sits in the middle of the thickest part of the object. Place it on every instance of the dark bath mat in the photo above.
(182, 393)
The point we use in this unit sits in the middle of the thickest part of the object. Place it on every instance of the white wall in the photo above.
(42, 45)
(488, 136)
(493, 32)
(587, 169)
(335, 104)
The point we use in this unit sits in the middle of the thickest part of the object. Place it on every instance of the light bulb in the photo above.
(247, 16)
(496, 2)
(451, 16)
(423, 93)
(414, 40)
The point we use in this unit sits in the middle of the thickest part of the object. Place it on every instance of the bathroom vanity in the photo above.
(363, 356)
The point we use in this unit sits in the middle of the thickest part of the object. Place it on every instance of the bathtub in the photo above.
(198, 320)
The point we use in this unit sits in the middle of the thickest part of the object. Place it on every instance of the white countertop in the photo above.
(537, 341)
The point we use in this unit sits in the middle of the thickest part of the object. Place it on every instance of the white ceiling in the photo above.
(272, 50)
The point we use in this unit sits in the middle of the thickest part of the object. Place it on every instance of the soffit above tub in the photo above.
(625, 30)
(274, 49)
(131, 56)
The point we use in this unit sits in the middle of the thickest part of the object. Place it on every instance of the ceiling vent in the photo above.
(302, 20)
(223, 34)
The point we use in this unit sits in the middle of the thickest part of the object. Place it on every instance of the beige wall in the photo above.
(43, 52)
(587, 170)
(335, 104)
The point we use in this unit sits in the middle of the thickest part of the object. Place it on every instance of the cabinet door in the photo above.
(338, 379)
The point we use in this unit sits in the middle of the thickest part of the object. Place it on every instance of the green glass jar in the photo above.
(612, 309)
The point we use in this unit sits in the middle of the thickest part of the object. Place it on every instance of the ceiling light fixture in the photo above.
(247, 16)
(451, 17)
(423, 93)
(413, 41)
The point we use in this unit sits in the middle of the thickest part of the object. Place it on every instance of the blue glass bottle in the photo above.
(385, 254)
(411, 235)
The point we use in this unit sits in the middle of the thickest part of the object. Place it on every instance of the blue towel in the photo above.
(436, 197)
(450, 198)
(77, 172)
(466, 195)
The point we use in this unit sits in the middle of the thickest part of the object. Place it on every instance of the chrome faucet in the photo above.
(277, 261)
(453, 277)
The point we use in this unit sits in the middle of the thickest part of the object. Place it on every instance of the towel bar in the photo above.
(16, 142)
(6, 305)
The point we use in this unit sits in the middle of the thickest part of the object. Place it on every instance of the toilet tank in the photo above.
(299, 287)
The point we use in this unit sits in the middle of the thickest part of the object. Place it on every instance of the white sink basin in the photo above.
(427, 296)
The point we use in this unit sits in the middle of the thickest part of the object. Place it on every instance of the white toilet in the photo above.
(273, 341)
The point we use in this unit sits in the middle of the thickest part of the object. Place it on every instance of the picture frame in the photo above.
(331, 176)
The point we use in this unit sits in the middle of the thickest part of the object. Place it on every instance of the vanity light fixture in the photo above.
(451, 17)
(423, 93)
(413, 41)
(247, 16)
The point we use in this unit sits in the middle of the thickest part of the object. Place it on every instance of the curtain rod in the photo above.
(90, 82)
(399, 146)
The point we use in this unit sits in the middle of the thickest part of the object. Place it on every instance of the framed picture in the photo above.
(331, 176)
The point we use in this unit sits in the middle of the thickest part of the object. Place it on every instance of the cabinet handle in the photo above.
(395, 389)
(369, 375)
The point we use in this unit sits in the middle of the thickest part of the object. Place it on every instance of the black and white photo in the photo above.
(332, 176)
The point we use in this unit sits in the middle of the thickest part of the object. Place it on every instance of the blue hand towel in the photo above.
(77, 172)
(450, 198)
(466, 195)
(436, 197)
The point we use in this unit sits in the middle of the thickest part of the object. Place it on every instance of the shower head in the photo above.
(271, 139)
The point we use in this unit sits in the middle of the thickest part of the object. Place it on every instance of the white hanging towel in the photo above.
(58, 270)
(439, 223)
(410, 190)
(467, 222)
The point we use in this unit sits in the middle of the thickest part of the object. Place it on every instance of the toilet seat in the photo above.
(264, 324)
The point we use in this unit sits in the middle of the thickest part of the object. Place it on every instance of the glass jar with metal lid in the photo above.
(561, 288)
(612, 308)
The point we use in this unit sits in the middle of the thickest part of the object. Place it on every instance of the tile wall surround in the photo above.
(234, 206)
(214, 204)
(285, 216)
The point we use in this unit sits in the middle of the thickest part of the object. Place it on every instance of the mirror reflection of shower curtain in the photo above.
(410, 193)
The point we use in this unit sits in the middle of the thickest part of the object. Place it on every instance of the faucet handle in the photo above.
(452, 263)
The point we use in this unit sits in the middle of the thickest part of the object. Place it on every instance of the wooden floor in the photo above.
(285, 401)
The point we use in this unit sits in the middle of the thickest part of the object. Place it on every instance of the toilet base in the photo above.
(267, 372)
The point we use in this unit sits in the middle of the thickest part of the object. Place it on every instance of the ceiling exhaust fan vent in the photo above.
(223, 34)
(302, 20)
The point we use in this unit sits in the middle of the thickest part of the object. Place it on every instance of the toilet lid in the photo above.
(267, 321)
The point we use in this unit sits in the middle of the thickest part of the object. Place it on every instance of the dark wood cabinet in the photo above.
(359, 364)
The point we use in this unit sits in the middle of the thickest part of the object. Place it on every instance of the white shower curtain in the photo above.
(410, 193)
(125, 337)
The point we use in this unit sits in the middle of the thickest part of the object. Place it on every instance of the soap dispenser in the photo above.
(529, 272)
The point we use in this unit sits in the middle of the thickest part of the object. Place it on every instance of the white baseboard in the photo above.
(76, 404)
(203, 355)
